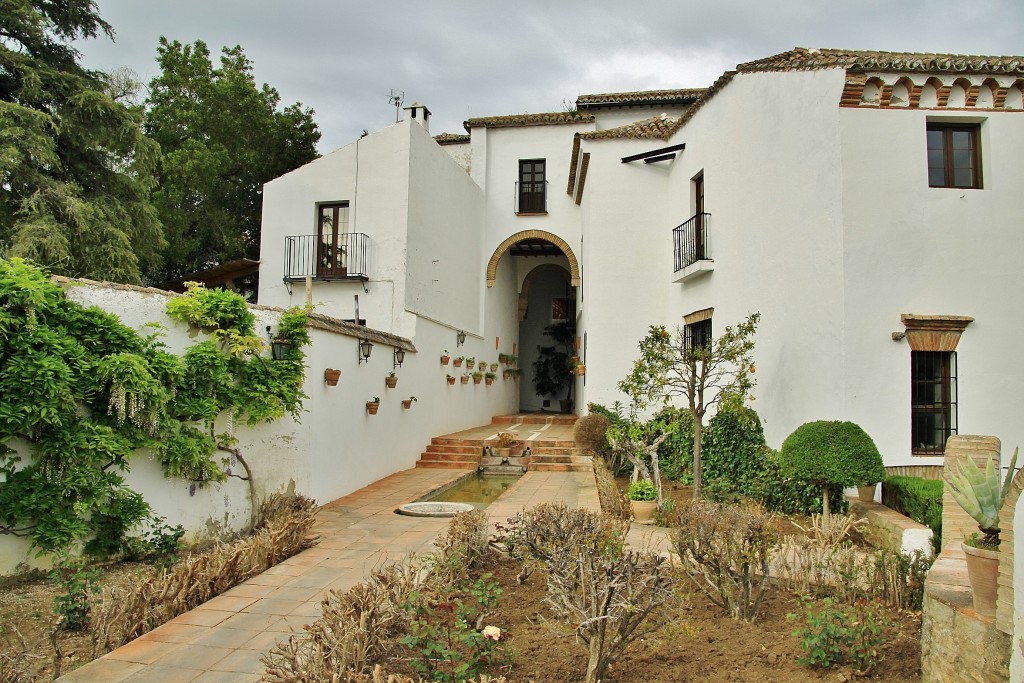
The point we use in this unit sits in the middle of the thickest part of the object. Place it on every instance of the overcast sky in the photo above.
(483, 58)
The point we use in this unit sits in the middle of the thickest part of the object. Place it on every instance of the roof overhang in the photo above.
(660, 154)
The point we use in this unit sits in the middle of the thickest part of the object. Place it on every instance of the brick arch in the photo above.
(574, 266)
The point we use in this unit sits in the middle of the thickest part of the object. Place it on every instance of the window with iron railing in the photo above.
(933, 400)
(690, 241)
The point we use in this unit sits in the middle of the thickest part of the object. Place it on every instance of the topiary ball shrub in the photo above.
(839, 453)
(589, 433)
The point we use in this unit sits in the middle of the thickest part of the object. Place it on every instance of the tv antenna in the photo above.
(397, 98)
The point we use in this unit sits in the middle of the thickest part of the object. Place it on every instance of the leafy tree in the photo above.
(670, 365)
(837, 453)
(222, 138)
(75, 168)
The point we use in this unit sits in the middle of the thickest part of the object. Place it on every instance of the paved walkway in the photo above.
(223, 640)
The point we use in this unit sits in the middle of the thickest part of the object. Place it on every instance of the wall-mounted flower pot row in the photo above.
(373, 406)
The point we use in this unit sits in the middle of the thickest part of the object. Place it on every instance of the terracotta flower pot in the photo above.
(407, 403)
(372, 407)
(489, 381)
(643, 510)
(983, 572)
(476, 380)
(445, 359)
(331, 376)
(465, 380)
(866, 494)
(458, 362)
(494, 367)
(391, 382)
(451, 380)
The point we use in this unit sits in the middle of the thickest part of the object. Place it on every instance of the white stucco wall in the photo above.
(336, 447)
(909, 248)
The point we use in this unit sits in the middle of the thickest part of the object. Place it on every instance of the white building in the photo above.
(866, 204)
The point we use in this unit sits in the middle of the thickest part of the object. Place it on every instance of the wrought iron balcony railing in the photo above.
(690, 241)
(344, 256)
(532, 197)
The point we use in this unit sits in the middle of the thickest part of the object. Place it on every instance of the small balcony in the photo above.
(531, 198)
(691, 248)
(343, 256)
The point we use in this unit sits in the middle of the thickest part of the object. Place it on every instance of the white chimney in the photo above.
(419, 114)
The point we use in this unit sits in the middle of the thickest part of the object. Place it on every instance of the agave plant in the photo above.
(980, 494)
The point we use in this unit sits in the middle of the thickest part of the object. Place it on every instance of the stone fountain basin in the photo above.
(433, 509)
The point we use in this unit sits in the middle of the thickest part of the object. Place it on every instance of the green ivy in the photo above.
(86, 392)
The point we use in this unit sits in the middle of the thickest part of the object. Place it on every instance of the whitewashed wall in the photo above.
(335, 448)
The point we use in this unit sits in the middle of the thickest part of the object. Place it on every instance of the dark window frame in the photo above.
(933, 400)
(332, 256)
(698, 334)
(949, 170)
(531, 187)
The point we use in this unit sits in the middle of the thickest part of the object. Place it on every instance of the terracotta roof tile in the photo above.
(801, 59)
(451, 139)
(679, 96)
(657, 128)
(516, 120)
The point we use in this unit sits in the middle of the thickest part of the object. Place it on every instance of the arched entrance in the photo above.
(547, 275)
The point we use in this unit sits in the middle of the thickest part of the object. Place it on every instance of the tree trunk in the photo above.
(824, 504)
(698, 427)
(595, 665)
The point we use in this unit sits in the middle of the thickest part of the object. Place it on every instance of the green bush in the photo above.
(642, 490)
(675, 454)
(831, 453)
(919, 499)
(791, 496)
(732, 458)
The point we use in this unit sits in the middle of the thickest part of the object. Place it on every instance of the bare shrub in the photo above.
(357, 627)
(726, 550)
(15, 658)
(613, 503)
(464, 542)
(607, 598)
(125, 612)
(538, 531)
(589, 434)
(376, 676)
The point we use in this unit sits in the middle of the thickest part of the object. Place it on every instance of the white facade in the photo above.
(814, 168)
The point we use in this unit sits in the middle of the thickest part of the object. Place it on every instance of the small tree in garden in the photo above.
(831, 453)
(671, 365)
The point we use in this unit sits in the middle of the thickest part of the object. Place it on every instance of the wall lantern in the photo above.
(460, 338)
(278, 347)
(365, 347)
(399, 357)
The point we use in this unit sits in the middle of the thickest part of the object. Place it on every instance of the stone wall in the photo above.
(958, 645)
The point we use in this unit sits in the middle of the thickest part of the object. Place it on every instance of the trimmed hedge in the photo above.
(919, 499)
(839, 453)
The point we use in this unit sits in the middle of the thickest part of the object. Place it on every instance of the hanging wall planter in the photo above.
(581, 369)
(331, 376)
(373, 406)
(451, 379)
(407, 403)
(465, 379)
(391, 380)
(445, 358)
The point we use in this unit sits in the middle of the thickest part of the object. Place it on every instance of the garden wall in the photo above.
(958, 645)
(337, 447)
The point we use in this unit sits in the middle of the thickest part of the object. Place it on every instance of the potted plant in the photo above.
(407, 403)
(331, 376)
(489, 378)
(510, 373)
(465, 378)
(470, 363)
(866, 492)
(552, 371)
(477, 376)
(458, 361)
(506, 444)
(373, 406)
(494, 367)
(445, 357)
(391, 380)
(503, 358)
(980, 495)
(580, 369)
(643, 501)
(451, 379)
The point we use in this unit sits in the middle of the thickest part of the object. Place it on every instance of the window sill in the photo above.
(531, 213)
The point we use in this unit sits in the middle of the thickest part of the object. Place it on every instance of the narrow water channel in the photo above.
(479, 490)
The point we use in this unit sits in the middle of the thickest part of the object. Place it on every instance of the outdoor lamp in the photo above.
(365, 347)
(399, 357)
(460, 338)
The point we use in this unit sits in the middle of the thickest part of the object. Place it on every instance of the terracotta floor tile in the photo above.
(247, 621)
(174, 632)
(271, 606)
(158, 673)
(265, 641)
(225, 637)
(228, 677)
(143, 651)
(103, 669)
(202, 617)
(229, 603)
(195, 656)
(241, 661)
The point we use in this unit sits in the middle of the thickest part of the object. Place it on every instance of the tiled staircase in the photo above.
(549, 437)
